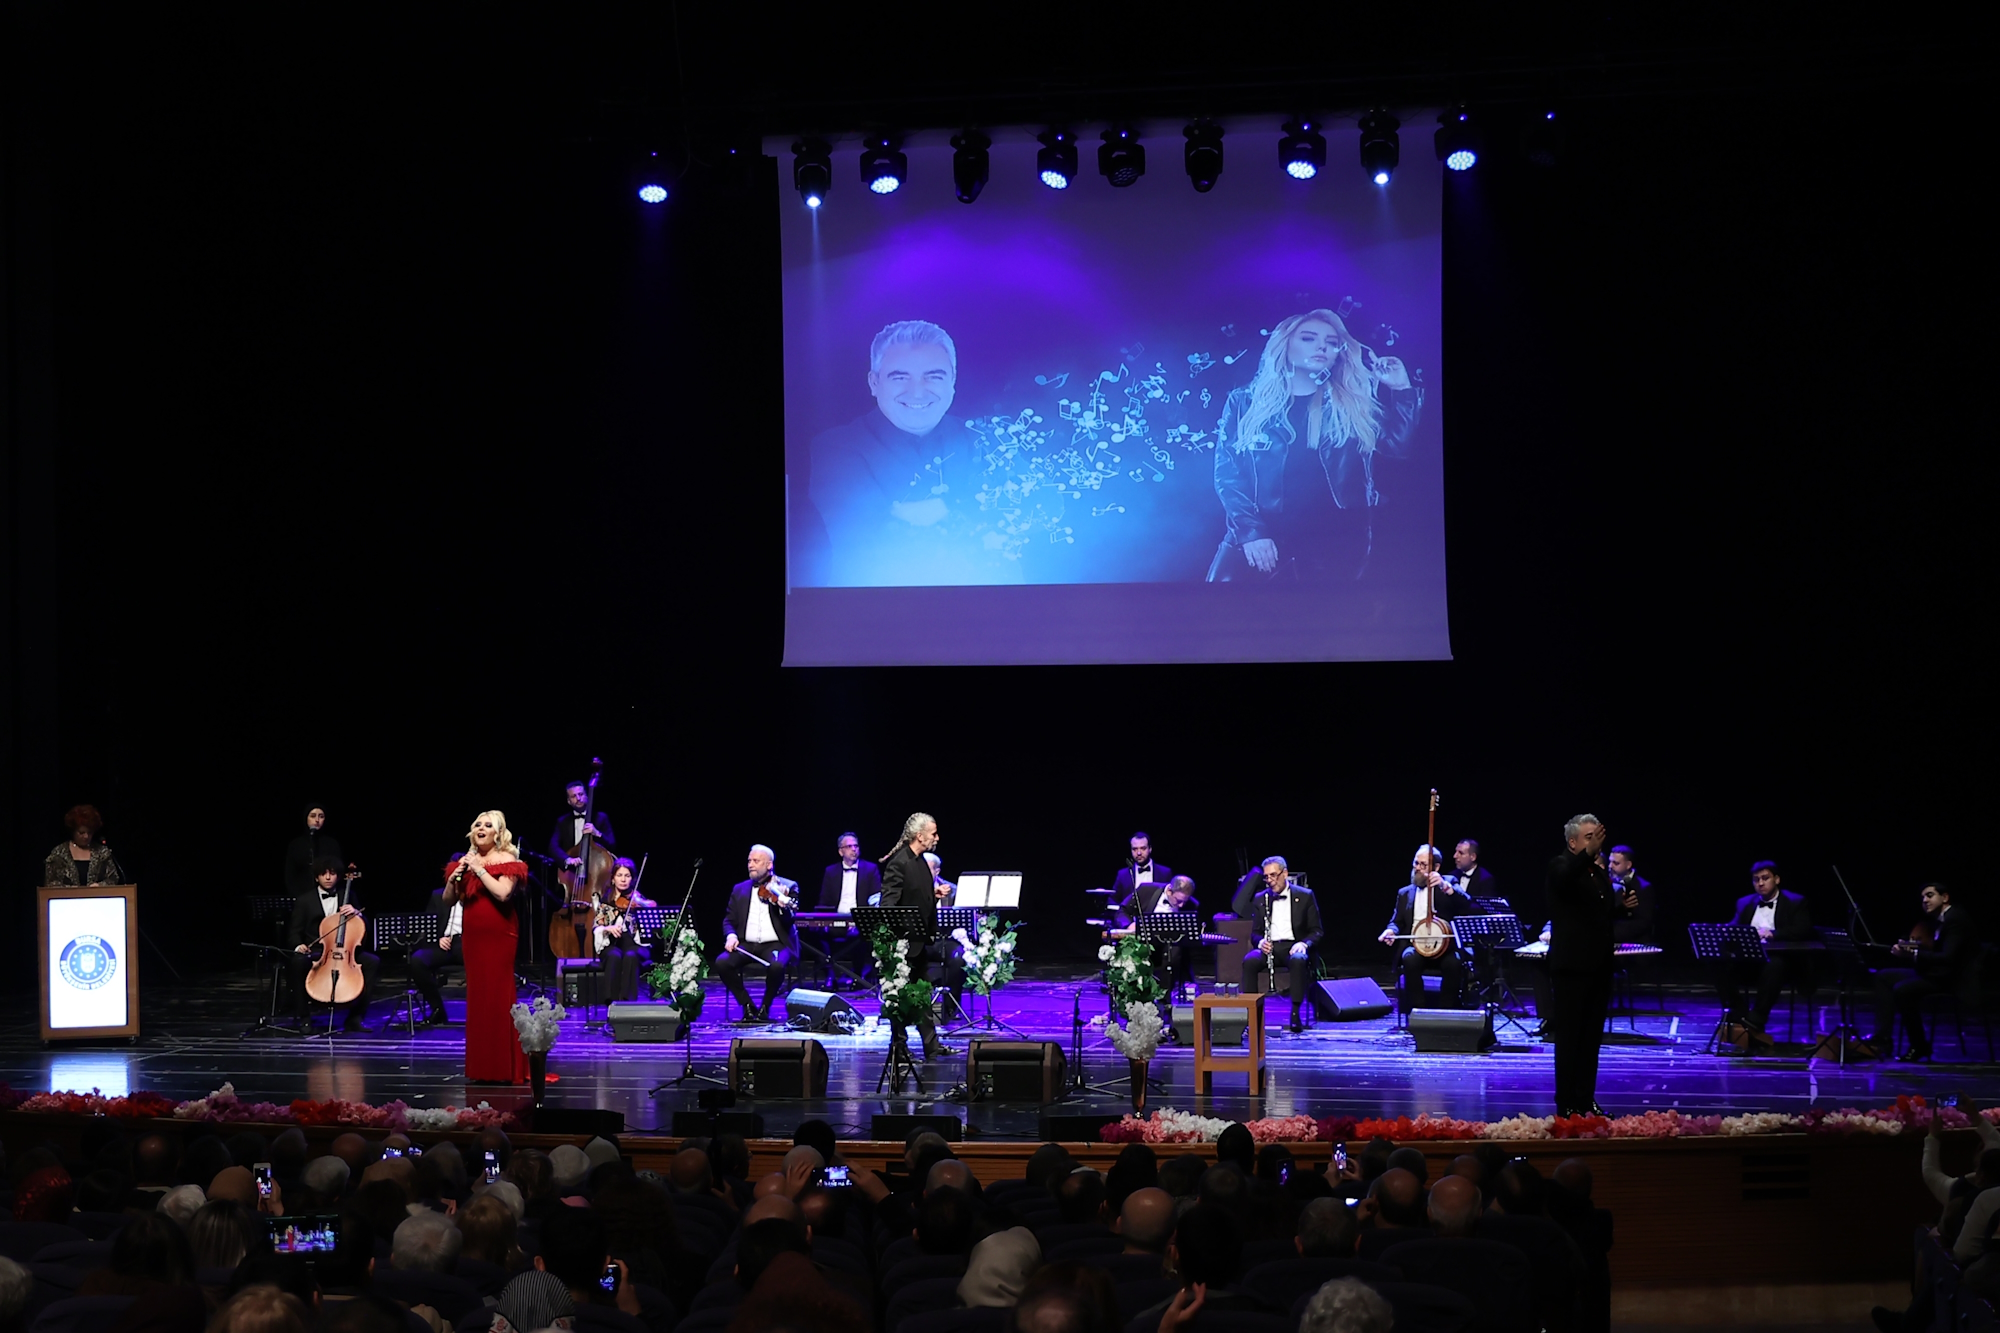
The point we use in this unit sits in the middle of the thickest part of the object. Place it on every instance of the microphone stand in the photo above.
(687, 1074)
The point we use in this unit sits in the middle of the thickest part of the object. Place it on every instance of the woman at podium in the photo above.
(485, 880)
(83, 860)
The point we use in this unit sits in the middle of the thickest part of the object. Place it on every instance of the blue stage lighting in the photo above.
(883, 167)
(1121, 158)
(1302, 152)
(1457, 140)
(1204, 154)
(812, 170)
(1381, 147)
(1056, 163)
(652, 194)
(969, 164)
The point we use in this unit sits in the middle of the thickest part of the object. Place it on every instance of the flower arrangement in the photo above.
(225, 1107)
(905, 998)
(679, 978)
(1129, 974)
(989, 958)
(538, 1026)
(139, 1105)
(1140, 1037)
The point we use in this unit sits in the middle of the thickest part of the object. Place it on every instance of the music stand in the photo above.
(402, 929)
(648, 923)
(1845, 962)
(1723, 942)
(1494, 932)
(911, 926)
(967, 920)
(270, 1021)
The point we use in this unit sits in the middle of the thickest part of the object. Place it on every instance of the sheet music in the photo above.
(972, 891)
(1004, 890)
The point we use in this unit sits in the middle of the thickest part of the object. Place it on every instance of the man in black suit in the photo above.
(907, 881)
(1937, 966)
(1285, 921)
(1139, 872)
(1579, 963)
(1173, 895)
(307, 848)
(328, 897)
(1474, 879)
(1632, 911)
(758, 935)
(1778, 915)
(1446, 902)
(845, 885)
(437, 953)
(572, 826)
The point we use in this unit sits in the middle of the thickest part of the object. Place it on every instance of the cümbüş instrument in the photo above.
(1431, 936)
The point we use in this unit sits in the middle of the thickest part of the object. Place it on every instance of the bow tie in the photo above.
(328, 893)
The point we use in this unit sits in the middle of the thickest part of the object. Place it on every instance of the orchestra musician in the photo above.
(307, 848)
(1474, 879)
(845, 885)
(430, 958)
(1778, 914)
(328, 897)
(1633, 907)
(1139, 872)
(84, 859)
(907, 881)
(572, 826)
(615, 935)
(1171, 895)
(1428, 894)
(1286, 923)
(760, 933)
(1938, 955)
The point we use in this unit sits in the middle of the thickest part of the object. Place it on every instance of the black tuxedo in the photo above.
(1146, 902)
(907, 882)
(1123, 889)
(563, 838)
(1901, 990)
(1790, 921)
(427, 959)
(304, 928)
(1306, 930)
(1638, 924)
(1789, 918)
(1449, 965)
(1580, 963)
(867, 883)
(779, 954)
(1479, 884)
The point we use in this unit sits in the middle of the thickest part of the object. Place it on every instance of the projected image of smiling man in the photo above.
(895, 487)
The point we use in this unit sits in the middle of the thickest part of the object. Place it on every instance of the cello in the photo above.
(335, 978)
(582, 888)
(1431, 936)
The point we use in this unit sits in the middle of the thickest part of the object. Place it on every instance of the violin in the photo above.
(1432, 935)
(335, 978)
(769, 892)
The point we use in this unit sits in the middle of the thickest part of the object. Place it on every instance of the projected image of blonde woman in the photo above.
(1296, 451)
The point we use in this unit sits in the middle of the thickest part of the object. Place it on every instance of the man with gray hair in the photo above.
(326, 1178)
(1285, 923)
(896, 487)
(1347, 1305)
(907, 881)
(426, 1242)
(760, 934)
(182, 1203)
(1581, 902)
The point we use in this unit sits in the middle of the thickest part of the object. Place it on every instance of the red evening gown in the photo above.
(491, 933)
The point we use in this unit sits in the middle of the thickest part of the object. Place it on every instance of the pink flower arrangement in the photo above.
(224, 1106)
(1283, 1129)
(1425, 1126)
(1650, 1125)
(1337, 1129)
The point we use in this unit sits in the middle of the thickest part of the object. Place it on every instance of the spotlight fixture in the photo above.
(812, 170)
(969, 164)
(1457, 139)
(1056, 163)
(1121, 158)
(883, 165)
(1381, 148)
(649, 177)
(1541, 141)
(1302, 152)
(1204, 154)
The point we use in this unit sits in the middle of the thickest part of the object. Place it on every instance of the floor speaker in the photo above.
(1451, 1029)
(1350, 1000)
(819, 1011)
(902, 1128)
(793, 1068)
(632, 1021)
(579, 1120)
(1015, 1071)
(1076, 1128)
(1225, 1026)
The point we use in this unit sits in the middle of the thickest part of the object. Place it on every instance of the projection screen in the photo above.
(1108, 425)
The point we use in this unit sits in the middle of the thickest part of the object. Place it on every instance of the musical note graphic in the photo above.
(1232, 360)
(1229, 331)
(1385, 334)
(1053, 381)
(1106, 509)
(1198, 362)
(1348, 305)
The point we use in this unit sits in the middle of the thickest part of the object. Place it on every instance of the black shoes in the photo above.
(1915, 1055)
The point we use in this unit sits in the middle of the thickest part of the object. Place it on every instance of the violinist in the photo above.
(1934, 958)
(327, 898)
(759, 934)
(1429, 895)
(615, 935)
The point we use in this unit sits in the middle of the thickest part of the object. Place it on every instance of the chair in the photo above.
(1966, 993)
(718, 1296)
(1433, 985)
(833, 1252)
(1126, 1267)
(1495, 1277)
(1284, 1281)
(99, 1226)
(972, 1319)
(22, 1241)
(1144, 1294)
(82, 1314)
(1269, 1251)
(921, 1297)
(1086, 1247)
(922, 1268)
(1061, 1233)
(1418, 1307)
(85, 1254)
(450, 1295)
(53, 1282)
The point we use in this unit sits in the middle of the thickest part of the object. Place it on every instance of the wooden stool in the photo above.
(1207, 1064)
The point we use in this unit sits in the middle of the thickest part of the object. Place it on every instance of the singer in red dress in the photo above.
(486, 879)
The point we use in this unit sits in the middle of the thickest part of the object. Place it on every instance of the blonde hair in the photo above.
(1346, 406)
(503, 841)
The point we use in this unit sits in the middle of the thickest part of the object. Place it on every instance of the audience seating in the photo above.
(1144, 1294)
(1419, 1308)
(1062, 1233)
(1283, 1281)
(1083, 1248)
(84, 1254)
(921, 1297)
(82, 1314)
(22, 1241)
(1127, 1267)
(713, 1319)
(1223, 1321)
(922, 1268)
(97, 1226)
(1495, 1277)
(486, 1279)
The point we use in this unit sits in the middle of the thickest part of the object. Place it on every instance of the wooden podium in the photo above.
(87, 961)
(1207, 1064)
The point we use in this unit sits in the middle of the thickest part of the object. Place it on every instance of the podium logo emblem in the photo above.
(87, 962)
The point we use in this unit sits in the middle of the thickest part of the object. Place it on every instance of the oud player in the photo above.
(1428, 895)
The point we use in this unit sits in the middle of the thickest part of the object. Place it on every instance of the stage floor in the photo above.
(1653, 1060)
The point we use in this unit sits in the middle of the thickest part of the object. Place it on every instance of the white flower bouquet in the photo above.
(538, 1026)
(1140, 1037)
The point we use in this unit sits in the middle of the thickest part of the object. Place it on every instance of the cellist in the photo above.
(327, 897)
(1429, 896)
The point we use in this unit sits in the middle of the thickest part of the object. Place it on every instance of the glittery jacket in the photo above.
(1250, 474)
(60, 868)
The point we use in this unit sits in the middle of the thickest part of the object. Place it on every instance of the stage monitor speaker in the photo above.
(1225, 1026)
(1451, 1029)
(790, 1068)
(1015, 1071)
(644, 1022)
(1076, 1128)
(822, 1011)
(1350, 999)
(902, 1128)
(707, 1124)
(591, 1120)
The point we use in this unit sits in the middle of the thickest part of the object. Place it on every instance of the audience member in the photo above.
(425, 1242)
(576, 1250)
(1236, 1146)
(180, 1203)
(17, 1288)
(1347, 1305)
(148, 1252)
(763, 1240)
(221, 1233)
(1068, 1298)
(534, 1300)
(570, 1168)
(791, 1294)
(1047, 1166)
(1181, 1177)
(1136, 1169)
(946, 1222)
(1146, 1222)
(491, 1232)
(998, 1270)
(1327, 1229)
(1453, 1206)
(260, 1309)
(1207, 1255)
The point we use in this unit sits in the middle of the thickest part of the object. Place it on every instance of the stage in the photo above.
(192, 1043)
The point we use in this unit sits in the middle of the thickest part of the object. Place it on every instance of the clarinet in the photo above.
(1270, 950)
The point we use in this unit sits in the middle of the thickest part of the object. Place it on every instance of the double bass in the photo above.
(335, 978)
(582, 888)
(1431, 936)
